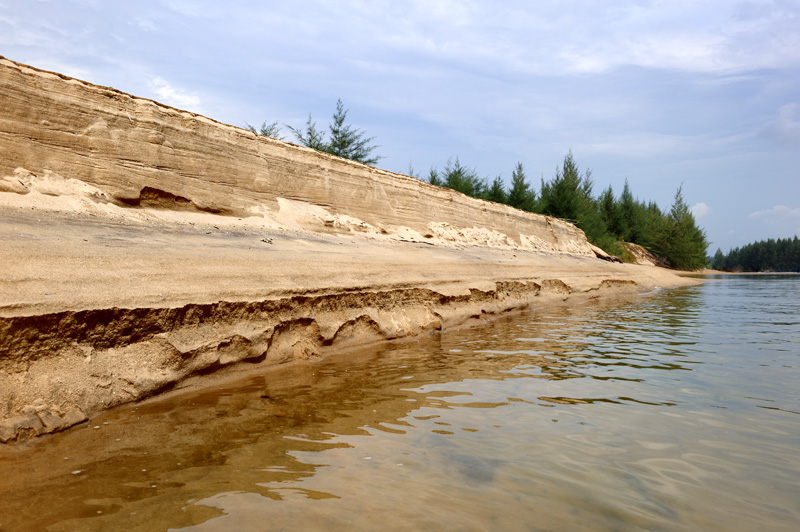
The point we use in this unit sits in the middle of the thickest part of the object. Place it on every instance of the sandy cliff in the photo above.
(144, 245)
(139, 152)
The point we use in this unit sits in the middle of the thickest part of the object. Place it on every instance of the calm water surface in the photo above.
(679, 410)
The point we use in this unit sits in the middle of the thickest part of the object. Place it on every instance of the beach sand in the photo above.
(97, 311)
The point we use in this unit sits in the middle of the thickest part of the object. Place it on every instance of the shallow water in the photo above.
(679, 410)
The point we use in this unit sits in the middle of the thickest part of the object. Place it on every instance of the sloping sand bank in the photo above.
(143, 245)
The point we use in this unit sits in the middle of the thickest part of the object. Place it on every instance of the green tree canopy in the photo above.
(497, 191)
(272, 130)
(771, 255)
(349, 142)
(520, 195)
(608, 222)
(561, 197)
(344, 140)
(434, 179)
(310, 136)
(630, 222)
(679, 240)
(464, 179)
(611, 212)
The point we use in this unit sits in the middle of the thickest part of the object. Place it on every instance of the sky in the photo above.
(703, 94)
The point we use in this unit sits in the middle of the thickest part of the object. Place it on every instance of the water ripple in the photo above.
(676, 411)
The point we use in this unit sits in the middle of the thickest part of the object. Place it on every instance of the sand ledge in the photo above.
(87, 361)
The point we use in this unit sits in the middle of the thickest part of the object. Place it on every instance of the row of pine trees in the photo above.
(781, 255)
(608, 220)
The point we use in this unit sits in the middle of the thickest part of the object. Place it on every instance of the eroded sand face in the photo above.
(142, 245)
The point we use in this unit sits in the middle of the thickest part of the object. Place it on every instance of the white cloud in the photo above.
(785, 128)
(642, 144)
(145, 24)
(699, 210)
(689, 36)
(678, 50)
(175, 97)
(780, 220)
(544, 38)
(189, 9)
(777, 213)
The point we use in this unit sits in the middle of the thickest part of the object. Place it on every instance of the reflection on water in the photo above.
(676, 411)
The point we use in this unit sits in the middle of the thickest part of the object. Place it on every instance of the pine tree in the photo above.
(463, 179)
(434, 179)
(679, 239)
(272, 130)
(562, 196)
(311, 137)
(347, 141)
(651, 219)
(590, 219)
(630, 225)
(497, 191)
(520, 196)
(611, 212)
(569, 195)
(718, 262)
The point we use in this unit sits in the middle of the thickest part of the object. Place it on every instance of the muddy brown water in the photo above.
(679, 410)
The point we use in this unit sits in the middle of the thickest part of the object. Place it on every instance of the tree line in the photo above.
(781, 255)
(608, 220)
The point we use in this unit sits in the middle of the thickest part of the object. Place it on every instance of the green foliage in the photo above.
(607, 221)
(781, 255)
(631, 214)
(613, 213)
(562, 196)
(569, 195)
(497, 191)
(463, 179)
(649, 219)
(718, 262)
(678, 238)
(272, 130)
(434, 179)
(628, 219)
(345, 140)
(349, 142)
(521, 196)
(311, 136)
